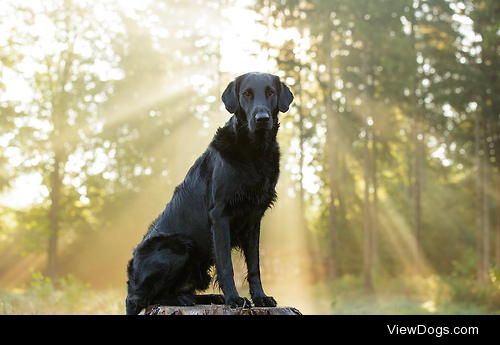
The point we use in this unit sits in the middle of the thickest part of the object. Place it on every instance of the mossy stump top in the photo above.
(217, 310)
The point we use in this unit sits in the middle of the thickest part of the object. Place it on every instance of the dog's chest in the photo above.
(256, 188)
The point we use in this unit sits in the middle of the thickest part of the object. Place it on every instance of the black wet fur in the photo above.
(217, 207)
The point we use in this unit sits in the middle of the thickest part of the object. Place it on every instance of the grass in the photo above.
(70, 297)
(410, 295)
(372, 305)
(403, 295)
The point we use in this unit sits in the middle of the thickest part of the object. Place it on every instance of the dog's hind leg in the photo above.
(177, 300)
(209, 299)
(133, 306)
(189, 300)
(159, 273)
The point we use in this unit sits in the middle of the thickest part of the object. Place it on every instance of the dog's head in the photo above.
(256, 99)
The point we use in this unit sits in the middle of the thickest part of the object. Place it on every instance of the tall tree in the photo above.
(68, 76)
(484, 15)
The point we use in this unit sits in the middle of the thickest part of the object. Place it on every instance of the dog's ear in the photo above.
(230, 98)
(285, 98)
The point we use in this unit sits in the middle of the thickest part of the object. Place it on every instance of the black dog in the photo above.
(218, 206)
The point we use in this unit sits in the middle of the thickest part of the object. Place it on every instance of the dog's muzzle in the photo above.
(262, 117)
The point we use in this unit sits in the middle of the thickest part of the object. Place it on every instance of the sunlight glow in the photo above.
(240, 53)
(127, 94)
(26, 190)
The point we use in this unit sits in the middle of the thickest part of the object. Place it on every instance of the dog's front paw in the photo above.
(238, 302)
(264, 301)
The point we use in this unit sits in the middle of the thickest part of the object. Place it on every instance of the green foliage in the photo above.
(120, 102)
(68, 293)
(398, 295)
(67, 296)
(469, 291)
(465, 288)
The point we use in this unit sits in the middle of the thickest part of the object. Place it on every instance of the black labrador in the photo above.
(217, 207)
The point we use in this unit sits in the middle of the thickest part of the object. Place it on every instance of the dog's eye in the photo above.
(269, 92)
(248, 93)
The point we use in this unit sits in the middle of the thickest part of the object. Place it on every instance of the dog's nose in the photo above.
(262, 116)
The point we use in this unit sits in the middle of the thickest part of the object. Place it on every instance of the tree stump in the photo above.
(213, 309)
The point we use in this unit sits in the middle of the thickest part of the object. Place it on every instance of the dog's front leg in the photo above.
(223, 263)
(251, 251)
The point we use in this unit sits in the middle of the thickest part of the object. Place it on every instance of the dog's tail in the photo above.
(156, 268)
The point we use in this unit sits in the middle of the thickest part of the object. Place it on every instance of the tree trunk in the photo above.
(331, 151)
(375, 222)
(479, 162)
(497, 225)
(367, 175)
(486, 222)
(486, 132)
(218, 57)
(60, 156)
(367, 233)
(310, 242)
(301, 153)
(217, 310)
(418, 138)
(417, 191)
(408, 153)
(342, 180)
(486, 209)
(55, 193)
